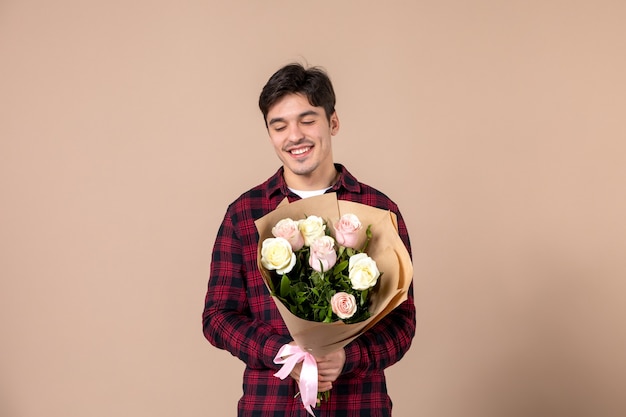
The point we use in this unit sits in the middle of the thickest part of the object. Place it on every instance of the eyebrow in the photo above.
(300, 116)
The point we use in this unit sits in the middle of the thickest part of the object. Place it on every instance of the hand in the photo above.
(329, 368)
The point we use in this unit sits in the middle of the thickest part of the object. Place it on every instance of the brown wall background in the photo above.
(126, 127)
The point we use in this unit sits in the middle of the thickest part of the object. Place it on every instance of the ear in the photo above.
(334, 124)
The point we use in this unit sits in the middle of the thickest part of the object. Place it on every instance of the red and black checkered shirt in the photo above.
(240, 316)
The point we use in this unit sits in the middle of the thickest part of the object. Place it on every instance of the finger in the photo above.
(323, 387)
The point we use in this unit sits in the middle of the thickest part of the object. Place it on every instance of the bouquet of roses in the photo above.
(317, 276)
(321, 266)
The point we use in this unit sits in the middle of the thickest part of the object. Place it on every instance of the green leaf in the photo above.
(364, 297)
(340, 267)
(368, 234)
(285, 286)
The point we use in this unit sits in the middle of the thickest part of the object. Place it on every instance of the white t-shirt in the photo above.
(306, 194)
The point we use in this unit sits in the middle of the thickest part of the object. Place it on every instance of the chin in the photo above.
(300, 170)
(306, 170)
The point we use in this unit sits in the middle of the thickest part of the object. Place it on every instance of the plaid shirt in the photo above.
(240, 316)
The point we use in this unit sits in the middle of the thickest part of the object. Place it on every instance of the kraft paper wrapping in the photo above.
(386, 248)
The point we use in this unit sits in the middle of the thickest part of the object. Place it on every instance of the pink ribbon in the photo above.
(289, 356)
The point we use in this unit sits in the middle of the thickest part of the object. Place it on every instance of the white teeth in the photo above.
(300, 151)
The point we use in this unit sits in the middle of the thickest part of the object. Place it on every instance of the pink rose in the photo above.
(323, 255)
(343, 305)
(348, 231)
(288, 229)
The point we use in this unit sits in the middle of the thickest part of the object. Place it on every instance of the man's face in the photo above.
(301, 136)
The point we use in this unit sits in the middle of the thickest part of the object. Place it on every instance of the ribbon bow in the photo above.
(289, 356)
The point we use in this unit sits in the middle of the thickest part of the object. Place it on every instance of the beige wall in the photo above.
(126, 127)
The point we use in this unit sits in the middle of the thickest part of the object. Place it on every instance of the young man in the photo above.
(298, 105)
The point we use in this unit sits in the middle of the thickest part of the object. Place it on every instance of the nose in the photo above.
(295, 133)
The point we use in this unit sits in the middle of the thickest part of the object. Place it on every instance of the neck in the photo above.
(311, 182)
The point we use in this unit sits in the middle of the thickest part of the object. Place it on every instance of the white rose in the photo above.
(276, 254)
(312, 227)
(362, 271)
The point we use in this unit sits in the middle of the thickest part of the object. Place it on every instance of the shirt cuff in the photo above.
(271, 348)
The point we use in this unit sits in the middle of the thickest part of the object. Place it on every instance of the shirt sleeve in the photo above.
(388, 341)
(227, 322)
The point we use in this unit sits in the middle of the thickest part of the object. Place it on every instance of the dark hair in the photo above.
(312, 82)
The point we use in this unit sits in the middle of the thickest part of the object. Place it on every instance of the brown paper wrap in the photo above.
(386, 248)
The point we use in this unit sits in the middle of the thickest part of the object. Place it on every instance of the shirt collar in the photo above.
(276, 183)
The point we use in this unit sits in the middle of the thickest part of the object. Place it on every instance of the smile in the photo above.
(300, 151)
